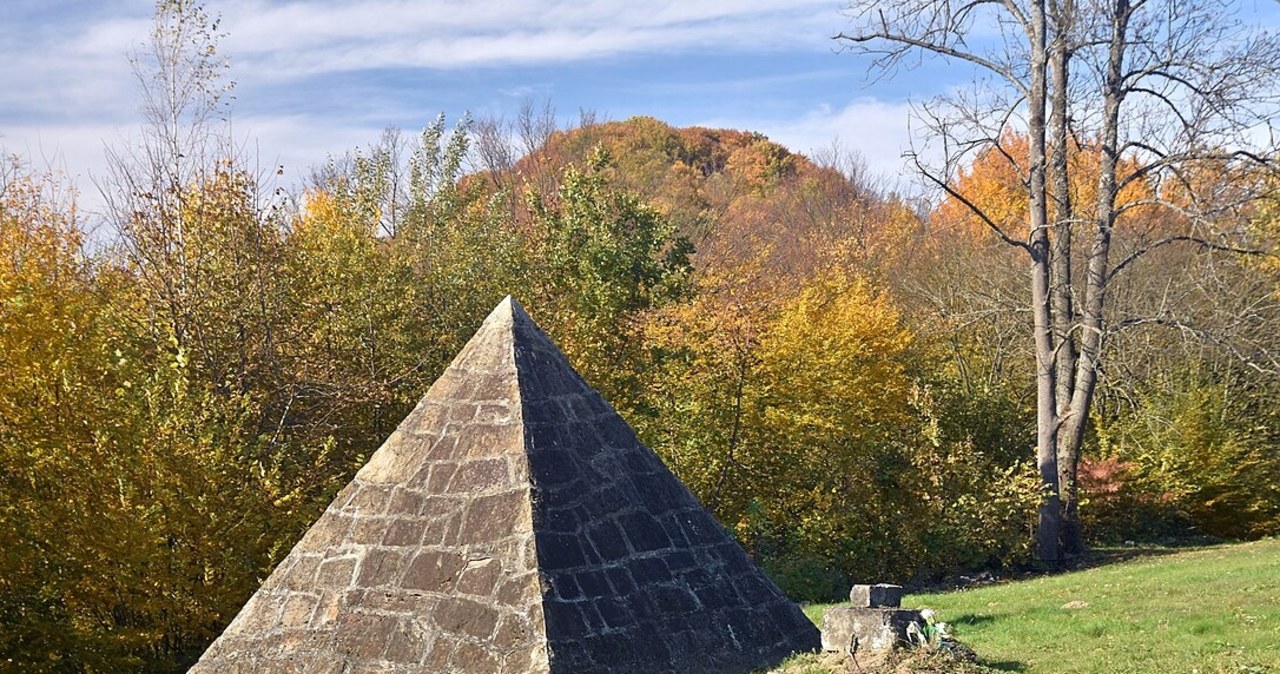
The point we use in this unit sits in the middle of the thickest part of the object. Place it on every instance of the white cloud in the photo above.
(73, 64)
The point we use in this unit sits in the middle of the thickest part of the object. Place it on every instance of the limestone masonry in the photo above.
(513, 523)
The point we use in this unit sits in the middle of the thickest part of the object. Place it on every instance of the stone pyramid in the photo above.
(513, 523)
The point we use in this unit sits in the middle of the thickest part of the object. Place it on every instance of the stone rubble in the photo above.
(872, 624)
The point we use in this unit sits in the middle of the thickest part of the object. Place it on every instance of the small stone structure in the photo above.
(873, 623)
(513, 524)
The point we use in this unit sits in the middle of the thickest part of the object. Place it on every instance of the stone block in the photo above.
(862, 630)
(434, 571)
(876, 596)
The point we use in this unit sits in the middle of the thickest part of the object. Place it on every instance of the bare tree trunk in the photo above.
(1099, 254)
(1062, 13)
(1049, 521)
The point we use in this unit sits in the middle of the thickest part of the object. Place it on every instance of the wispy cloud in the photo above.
(62, 60)
(294, 39)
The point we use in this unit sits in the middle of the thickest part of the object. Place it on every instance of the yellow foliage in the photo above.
(832, 402)
(137, 507)
(43, 297)
(834, 355)
(703, 382)
(784, 413)
(1265, 228)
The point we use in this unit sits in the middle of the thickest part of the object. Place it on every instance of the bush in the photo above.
(807, 578)
(1192, 452)
(1116, 506)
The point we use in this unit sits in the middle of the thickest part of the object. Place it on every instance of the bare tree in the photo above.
(185, 97)
(496, 155)
(1161, 90)
(184, 141)
(500, 146)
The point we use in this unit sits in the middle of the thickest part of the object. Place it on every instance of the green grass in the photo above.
(1206, 611)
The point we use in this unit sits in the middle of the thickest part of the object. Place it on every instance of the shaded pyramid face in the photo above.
(513, 523)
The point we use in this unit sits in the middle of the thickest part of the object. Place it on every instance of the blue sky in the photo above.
(319, 77)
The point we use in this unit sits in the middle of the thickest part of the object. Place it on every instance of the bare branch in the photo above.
(1185, 238)
(1263, 362)
(915, 158)
(940, 49)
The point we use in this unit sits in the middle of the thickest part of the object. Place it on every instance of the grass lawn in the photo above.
(1209, 610)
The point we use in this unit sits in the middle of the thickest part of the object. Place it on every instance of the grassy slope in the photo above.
(1205, 611)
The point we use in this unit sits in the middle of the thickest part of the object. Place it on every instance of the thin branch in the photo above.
(1165, 160)
(1204, 335)
(1185, 238)
(940, 49)
(915, 159)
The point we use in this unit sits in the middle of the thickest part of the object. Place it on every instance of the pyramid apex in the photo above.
(506, 310)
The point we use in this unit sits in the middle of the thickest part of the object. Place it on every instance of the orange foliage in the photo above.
(994, 183)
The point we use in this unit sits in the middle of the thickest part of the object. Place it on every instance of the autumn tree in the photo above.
(393, 259)
(1161, 89)
(200, 488)
(139, 503)
(47, 318)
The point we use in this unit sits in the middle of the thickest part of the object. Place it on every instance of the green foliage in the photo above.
(902, 661)
(981, 493)
(806, 577)
(1198, 451)
(1120, 506)
(600, 258)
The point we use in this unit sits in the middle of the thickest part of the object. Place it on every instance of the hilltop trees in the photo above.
(1164, 92)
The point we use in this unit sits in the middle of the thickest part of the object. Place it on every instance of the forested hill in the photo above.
(736, 195)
